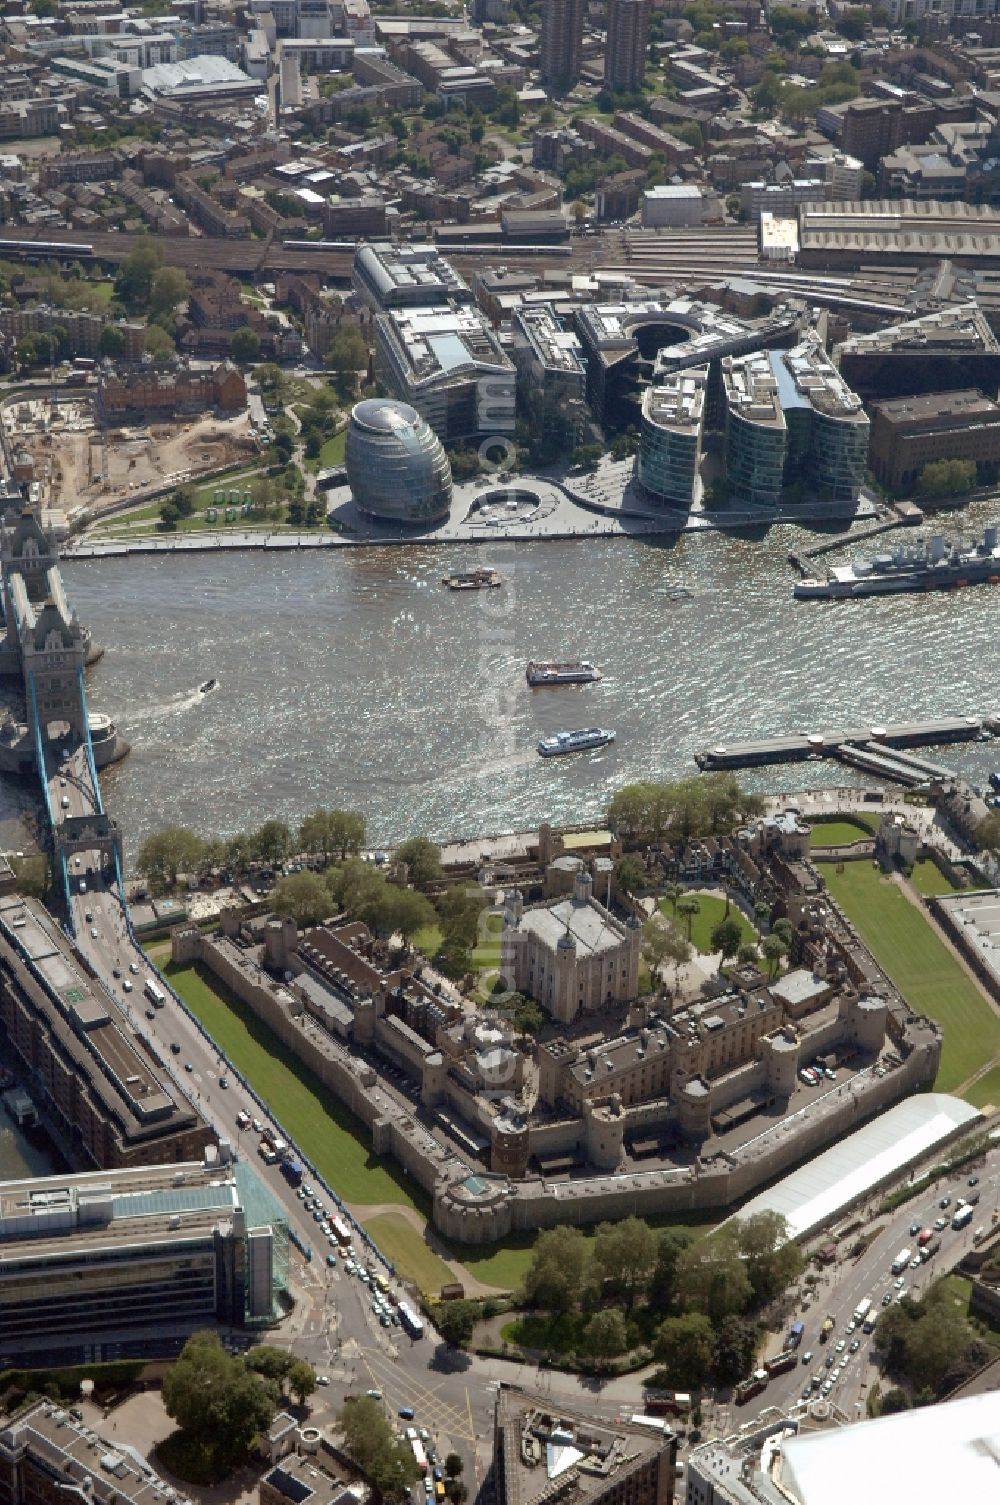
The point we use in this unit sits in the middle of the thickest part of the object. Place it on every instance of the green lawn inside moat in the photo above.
(929, 977)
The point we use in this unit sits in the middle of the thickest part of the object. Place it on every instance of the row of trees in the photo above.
(650, 814)
(929, 1347)
(177, 849)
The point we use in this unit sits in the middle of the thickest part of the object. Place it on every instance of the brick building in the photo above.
(909, 432)
(168, 389)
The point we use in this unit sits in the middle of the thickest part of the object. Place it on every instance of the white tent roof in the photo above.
(848, 1171)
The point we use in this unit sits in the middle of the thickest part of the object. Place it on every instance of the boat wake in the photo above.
(184, 701)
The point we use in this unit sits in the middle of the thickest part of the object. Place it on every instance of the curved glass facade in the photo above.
(396, 465)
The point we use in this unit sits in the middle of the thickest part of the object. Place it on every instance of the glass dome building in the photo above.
(396, 465)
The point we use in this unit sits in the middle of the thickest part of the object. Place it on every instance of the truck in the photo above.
(746, 1389)
(795, 1334)
(341, 1230)
(924, 1237)
(409, 1320)
(862, 1309)
(292, 1172)
(266, 1153)
(419, 1456)
(782, 1362)
(929, 1250)
(963, 1217)
(667, 1403)
(155, 993)
(826, 1329)
(901, 1261)
(280, 1147)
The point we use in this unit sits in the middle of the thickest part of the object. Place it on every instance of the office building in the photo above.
(549, 361)
(448, 364)
(112, 1263)
(115, 1102)
(390, 276)
(396, 465)
(948, 350)
(562, 41)
(628, 39)
(792, 421)
(46, 1455)
(541, 1454)
(910, 432)
(673, 420)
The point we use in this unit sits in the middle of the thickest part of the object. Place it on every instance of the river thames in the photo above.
(354, 678)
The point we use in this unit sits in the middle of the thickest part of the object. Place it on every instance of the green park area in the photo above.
(842, 832)
(923, 969)
(711, 909)
(143, 519)
(404, 1247)
(928, 879)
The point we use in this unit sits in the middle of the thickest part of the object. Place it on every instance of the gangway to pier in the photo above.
(878, 763)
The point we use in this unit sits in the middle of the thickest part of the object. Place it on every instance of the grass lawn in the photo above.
(502, 1265)
(985, 1092)
(332, 452)
(928, 879)
(334, 1140)
(427, 940)
(837, 833)
(406, 1249)
(712, 910)
(921, 966)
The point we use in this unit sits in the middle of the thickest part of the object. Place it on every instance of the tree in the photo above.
(378, 1452)
(404, 910)
(422, 858)
(988, 831)
(303, 897)
(157, 343)
(784, 930)
(557, 1273)
(135, 275)
(457, 1491)
(332, 831)
(169, 851)
(586, 456)
(947, 478)
(244, 346)
(774, 949)
(761, 913)
(672, 892)
(670, 1245)
(893, 1401)
(689, 906)
(711, 1278)
(625, 1253)
(685, 1346)
(111, 342)
(273, 1363)
(273, 841)
(453, 1466)
(630, 874)
(455, 1321)
(301, 1380)
(726, 937)
(773, 1260)
(605, 1335)
(736, 1340)
(220, 1403)
(663, 942)
(347, 355)
(169, 287)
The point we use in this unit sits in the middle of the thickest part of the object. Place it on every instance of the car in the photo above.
(827, 1387)
(93, 932)
(150, 1013)
(939, 1224)
(374, 1394)
(425, 1436)
(89, 916)
(307, 1190)
(887, 1299)
(83, 885)
(916, 1262)
(134, 968)
(175, 1049)
(840, 1346)
(899, 1282)
(807, 1357)
(900, 1293)
(331, 1260)
(188, 1066)
(116, 972)
(300, 1193)
(317, 1215)
(805, 1394)
(828, 1361)
(855, 1345)
(973, 1181)
(944, 1202)
(223, 1082)
(384, 1319)
(818, 1378)
(323, 1379)
(851, 1326)
(428, 1487)
(126, 986)
(836, 1373)
(914, 1229)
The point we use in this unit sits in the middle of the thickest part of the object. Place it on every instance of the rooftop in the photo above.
(678, 402)
(962, 327)
(101, 1470)
(441, 341)
(945, 407)
(593, 930)
(391, 269)
(547, 1453)
(557, 348)
(977, 915)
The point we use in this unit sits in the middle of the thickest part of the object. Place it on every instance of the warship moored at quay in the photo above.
(939, 565)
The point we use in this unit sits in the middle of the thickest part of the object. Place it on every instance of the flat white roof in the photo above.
(945, 1452)
(847, 1172)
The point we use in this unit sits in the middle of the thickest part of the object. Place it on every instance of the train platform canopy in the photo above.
(820, 1190)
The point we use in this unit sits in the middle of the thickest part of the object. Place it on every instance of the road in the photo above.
(844, 1284)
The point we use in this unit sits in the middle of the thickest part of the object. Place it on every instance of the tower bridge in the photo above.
(45, 647)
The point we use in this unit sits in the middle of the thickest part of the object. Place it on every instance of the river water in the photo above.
(353, 678)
